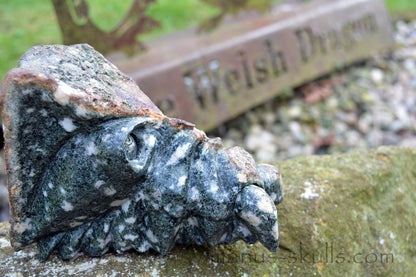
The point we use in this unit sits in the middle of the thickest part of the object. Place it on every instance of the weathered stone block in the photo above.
(344, 215)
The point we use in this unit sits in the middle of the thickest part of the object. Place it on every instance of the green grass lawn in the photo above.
(24, 23)
(397, 7)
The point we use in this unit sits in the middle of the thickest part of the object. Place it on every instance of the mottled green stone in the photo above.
(94, 166)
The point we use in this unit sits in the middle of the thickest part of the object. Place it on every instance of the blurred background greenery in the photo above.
(24, 23)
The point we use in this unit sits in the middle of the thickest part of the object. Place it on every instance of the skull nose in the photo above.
(272, 181)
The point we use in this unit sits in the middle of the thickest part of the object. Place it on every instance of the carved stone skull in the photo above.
(94, 165)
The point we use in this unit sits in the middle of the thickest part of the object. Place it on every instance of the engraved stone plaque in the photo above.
(213, 77)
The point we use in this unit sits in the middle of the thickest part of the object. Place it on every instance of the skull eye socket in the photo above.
(132, 147)
(139, 146)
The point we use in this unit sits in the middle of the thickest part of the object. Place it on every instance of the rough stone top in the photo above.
(80, 77)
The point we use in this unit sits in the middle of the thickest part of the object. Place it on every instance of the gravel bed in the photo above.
(366, 105)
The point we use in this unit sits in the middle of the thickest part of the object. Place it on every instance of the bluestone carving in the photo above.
(93, 165)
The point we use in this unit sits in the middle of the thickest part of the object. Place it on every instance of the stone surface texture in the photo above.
(94, 166)
(343, 215)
